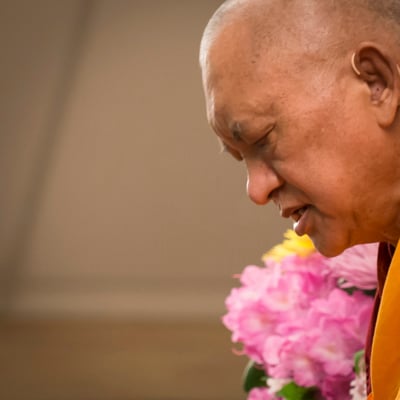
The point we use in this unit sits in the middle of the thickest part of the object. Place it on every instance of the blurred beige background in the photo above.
(121, 224)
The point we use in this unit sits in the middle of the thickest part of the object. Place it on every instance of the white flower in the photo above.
(358, 390)
(275, 384)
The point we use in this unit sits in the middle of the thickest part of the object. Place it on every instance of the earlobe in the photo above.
(372, 64)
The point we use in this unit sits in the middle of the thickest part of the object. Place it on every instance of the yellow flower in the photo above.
(293, 244)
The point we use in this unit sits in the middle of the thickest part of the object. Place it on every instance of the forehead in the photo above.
(237, 80)
(274, 94)
(229, 72)
(241, 93)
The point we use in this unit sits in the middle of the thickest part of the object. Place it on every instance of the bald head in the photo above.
(329, 27)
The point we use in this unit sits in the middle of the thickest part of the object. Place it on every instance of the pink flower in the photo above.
(356, 266)
(336, 320)
(336, 388)
(294, 318)
(262, 394)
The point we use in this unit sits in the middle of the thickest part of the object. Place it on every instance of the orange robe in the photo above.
(385, 353)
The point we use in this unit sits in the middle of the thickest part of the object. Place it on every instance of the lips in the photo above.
(295, 212)
(300, 215)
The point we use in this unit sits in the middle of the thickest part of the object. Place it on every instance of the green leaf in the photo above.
(370, 292)
(359, 361)
(349, 290)
(352, 289)
(253, 376)
(291, 391)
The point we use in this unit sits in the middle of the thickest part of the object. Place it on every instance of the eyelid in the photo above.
(264, 137)
(270, 129)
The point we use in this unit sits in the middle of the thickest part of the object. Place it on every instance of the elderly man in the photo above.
(306, 93)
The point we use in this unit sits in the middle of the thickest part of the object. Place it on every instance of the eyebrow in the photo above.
(224, 148)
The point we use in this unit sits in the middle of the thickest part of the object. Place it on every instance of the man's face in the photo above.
(308, 141)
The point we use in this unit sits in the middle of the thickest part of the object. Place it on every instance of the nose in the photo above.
(262, 181)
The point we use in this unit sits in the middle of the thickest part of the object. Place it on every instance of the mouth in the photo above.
(294, 212)
(300, 216)
(299, 213)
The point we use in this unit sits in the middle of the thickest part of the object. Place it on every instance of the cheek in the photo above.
(322, 179)
(314, 155)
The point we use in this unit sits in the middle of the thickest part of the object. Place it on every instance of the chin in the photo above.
(328, 248)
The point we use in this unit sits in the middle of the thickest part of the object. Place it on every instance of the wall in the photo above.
(115, 200)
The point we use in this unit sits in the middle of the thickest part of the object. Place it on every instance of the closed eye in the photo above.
(263, 141)
(260, 143)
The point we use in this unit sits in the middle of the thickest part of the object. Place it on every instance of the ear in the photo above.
(381, 73)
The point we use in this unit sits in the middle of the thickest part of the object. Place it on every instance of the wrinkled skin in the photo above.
(310, 136)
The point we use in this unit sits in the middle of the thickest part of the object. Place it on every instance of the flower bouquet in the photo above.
(302, 320)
